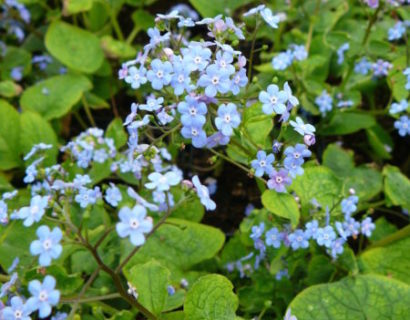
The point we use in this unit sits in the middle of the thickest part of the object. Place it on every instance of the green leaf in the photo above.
(347, 122)
(15, 242)
(55, 97)
(338, 160)
(151, 280)
(211, 298)
(117, 49)
(319, 183)
(78, 49)
(9, 89)
(257, 125)
(380, 48)
(396, 186)
(191, 210)
(30, 135)
(95, 102)
(5, 184)
(380, 141)
(383, 229)
(76, 6)
(354, 298)
(143, 20)
(115, 131)
(391, 260)
(9, 136)
(365, 181)
(15, 57)
(211, 8)
(180, 244)
(281, 204)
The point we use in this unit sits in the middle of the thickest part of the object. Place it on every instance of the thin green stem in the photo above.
(78, 300)
(88, 111)
(312, 26)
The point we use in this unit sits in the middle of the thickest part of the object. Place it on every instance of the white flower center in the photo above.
(192, 111)
(136, 76)
(273, 100)
(47, 244)
(18, 314)
(215, 80)
(43, 296)
(35, 209)
(227, 118)
(296, 155)
(299, 239)
(194, 132)
(134, 224)
(262, 163)
(160, 74)
(279, 180)
(223, 64)
(181, 78)
(197, 60)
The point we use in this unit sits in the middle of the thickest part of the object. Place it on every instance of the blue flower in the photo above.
(185, 22)
(257, 231)
(254, 10)
(396, 32)
(325, 236)
(113, 195)
(136, 77)
(31, 171)
(5, 288)
(196, 133)
(48, 246)
(180, 80)
(381, 68)
(18, 310)
(228, 118)
(3, 212)
(263, 163)
(134, 223)
(196, 57)
(299, 52)
(367, 227)
(351, 227)
(337, 247)
(239, 80)
(301, 127)
(406, 72)
(349, 205)
(217, 139)
(152, 104)
(192, 112)
(403, 126)
(293, 166)
(203, 194)
(292, 100)
(398, 107)
(155, 38)
(312, 228)
(298, 152)
(283, 60)
(278, 180)
(273, 238)
(341, 52)
(324, 102)
(224, 62)
(273, 100)
(35, 149)
(363, 66)
(160, 74)
(162, 182)
(270, 19)
(34, 212)
(44, 296)
(87, 196)
(298, 239)
(214, 80)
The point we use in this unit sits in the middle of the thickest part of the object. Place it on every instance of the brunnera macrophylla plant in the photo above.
(112, 230)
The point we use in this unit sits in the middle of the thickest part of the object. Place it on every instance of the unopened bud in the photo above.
(309, 139)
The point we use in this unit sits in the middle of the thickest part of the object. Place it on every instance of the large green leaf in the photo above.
(319, 183)
(257, 125)
(211, 8)
(347, 122)
(339, 160)
(117, 49)
(397, 186)
(281, 204)
(115, 131)
(76, 6)
(366, 182)
(380, 141)
(150, 280)
(391, 260)
(15, 58)
(211, 298)
(78, 49)
(180, 244)
(34, 130)
(9, 136)
(54, 97)
(9, 89)
(355, 298)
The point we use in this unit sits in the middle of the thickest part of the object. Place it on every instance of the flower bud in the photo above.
(309, 139)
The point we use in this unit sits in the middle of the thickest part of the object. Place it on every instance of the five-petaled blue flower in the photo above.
(113, 195)
(162, 182)
(298, 239)
(273, 100)
(263, 163)
(215, 80)
(34, 212)
(302, 128)
(48, 246)
(192, 111)
(270, 19)
(203, 194)
(325, 236)
(403, 125)
(134, 223)
(228, 118)
(273, 238)
(44, 296)
(18, 310)
(160, 74)
(136, 77)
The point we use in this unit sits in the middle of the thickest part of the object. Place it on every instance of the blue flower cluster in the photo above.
(284, 59)
(380, 68)
(402, 123)
(9, 22)
(398, 30)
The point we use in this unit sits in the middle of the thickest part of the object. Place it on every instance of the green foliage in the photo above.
(281, 204)
(9, 136)
(396, 186)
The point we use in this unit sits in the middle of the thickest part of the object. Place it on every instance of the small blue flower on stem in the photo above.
(341, 52)
(273, 100)
(298, 239)
(34, 212)
(203, 194)
(302, 128)
(381, 68)
(228, 118)
(351, 227)
(196, 57)
(136, 77)
(192, 111)
(363, 66)
(215, 80)
(134, 223)
(396, 32)
(349, 205)
(113, 195)
(263, 163)
(18, 310)
(337, 247)
(312, 228)
(44, 296)
(257, 231)
(273, 238)
(162, 182)
(270, 19)
(152, 104)
(324, 102)
(239, 81)
(278, 180)
(325, 236)
(367, 227)
(87, 196)
(398, 107)
(224, 62)
(181, 80)
(48, 246)
(160, 74)
(283, 60)
(403, 126)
